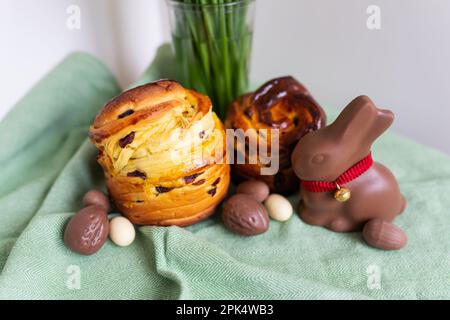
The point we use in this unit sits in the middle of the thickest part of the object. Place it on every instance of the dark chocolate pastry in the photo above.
(283, 104)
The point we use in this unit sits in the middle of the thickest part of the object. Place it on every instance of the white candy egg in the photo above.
(278, 207)
(121, 231)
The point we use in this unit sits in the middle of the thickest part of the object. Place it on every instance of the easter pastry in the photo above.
(282, 104)
(162, 149)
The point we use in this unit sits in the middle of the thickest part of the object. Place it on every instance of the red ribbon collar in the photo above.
(351, 174)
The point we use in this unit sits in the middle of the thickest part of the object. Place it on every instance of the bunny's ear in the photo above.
(362, 122)
(382, 122)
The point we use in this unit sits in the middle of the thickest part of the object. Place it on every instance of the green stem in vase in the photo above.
(213, 46)
(225, 60)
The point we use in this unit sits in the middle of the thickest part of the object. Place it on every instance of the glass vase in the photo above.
(212, 40)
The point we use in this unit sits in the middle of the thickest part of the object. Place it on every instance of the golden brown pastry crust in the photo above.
(160, 149)
(283, 104)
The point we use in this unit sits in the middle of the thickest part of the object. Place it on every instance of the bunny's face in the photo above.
(315, 157)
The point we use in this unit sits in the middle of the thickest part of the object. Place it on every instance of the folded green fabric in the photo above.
(47, 165)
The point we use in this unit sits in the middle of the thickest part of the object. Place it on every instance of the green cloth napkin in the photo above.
(47, 164)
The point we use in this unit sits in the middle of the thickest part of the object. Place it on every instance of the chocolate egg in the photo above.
(94, 197)
(244, 215)
(257, 189)
(384, 235)
(87, 230)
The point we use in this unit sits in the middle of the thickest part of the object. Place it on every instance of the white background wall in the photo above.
(404, 66)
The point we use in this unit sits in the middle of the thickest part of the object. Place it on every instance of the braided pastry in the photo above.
(160, 147)
(283, 104)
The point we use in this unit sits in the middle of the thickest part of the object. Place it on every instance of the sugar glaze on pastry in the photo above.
(158, 146)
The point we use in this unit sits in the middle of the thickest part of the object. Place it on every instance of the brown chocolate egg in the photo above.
(96, 197)
(384, 235)
(257, 189)
(244, 215)
(87, 230)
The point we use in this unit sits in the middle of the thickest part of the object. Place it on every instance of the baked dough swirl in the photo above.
(284, 104)
(162, 150)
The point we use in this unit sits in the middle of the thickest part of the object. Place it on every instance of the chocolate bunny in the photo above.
(342, 188)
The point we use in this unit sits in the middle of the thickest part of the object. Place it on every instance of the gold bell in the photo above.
(342, 194)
